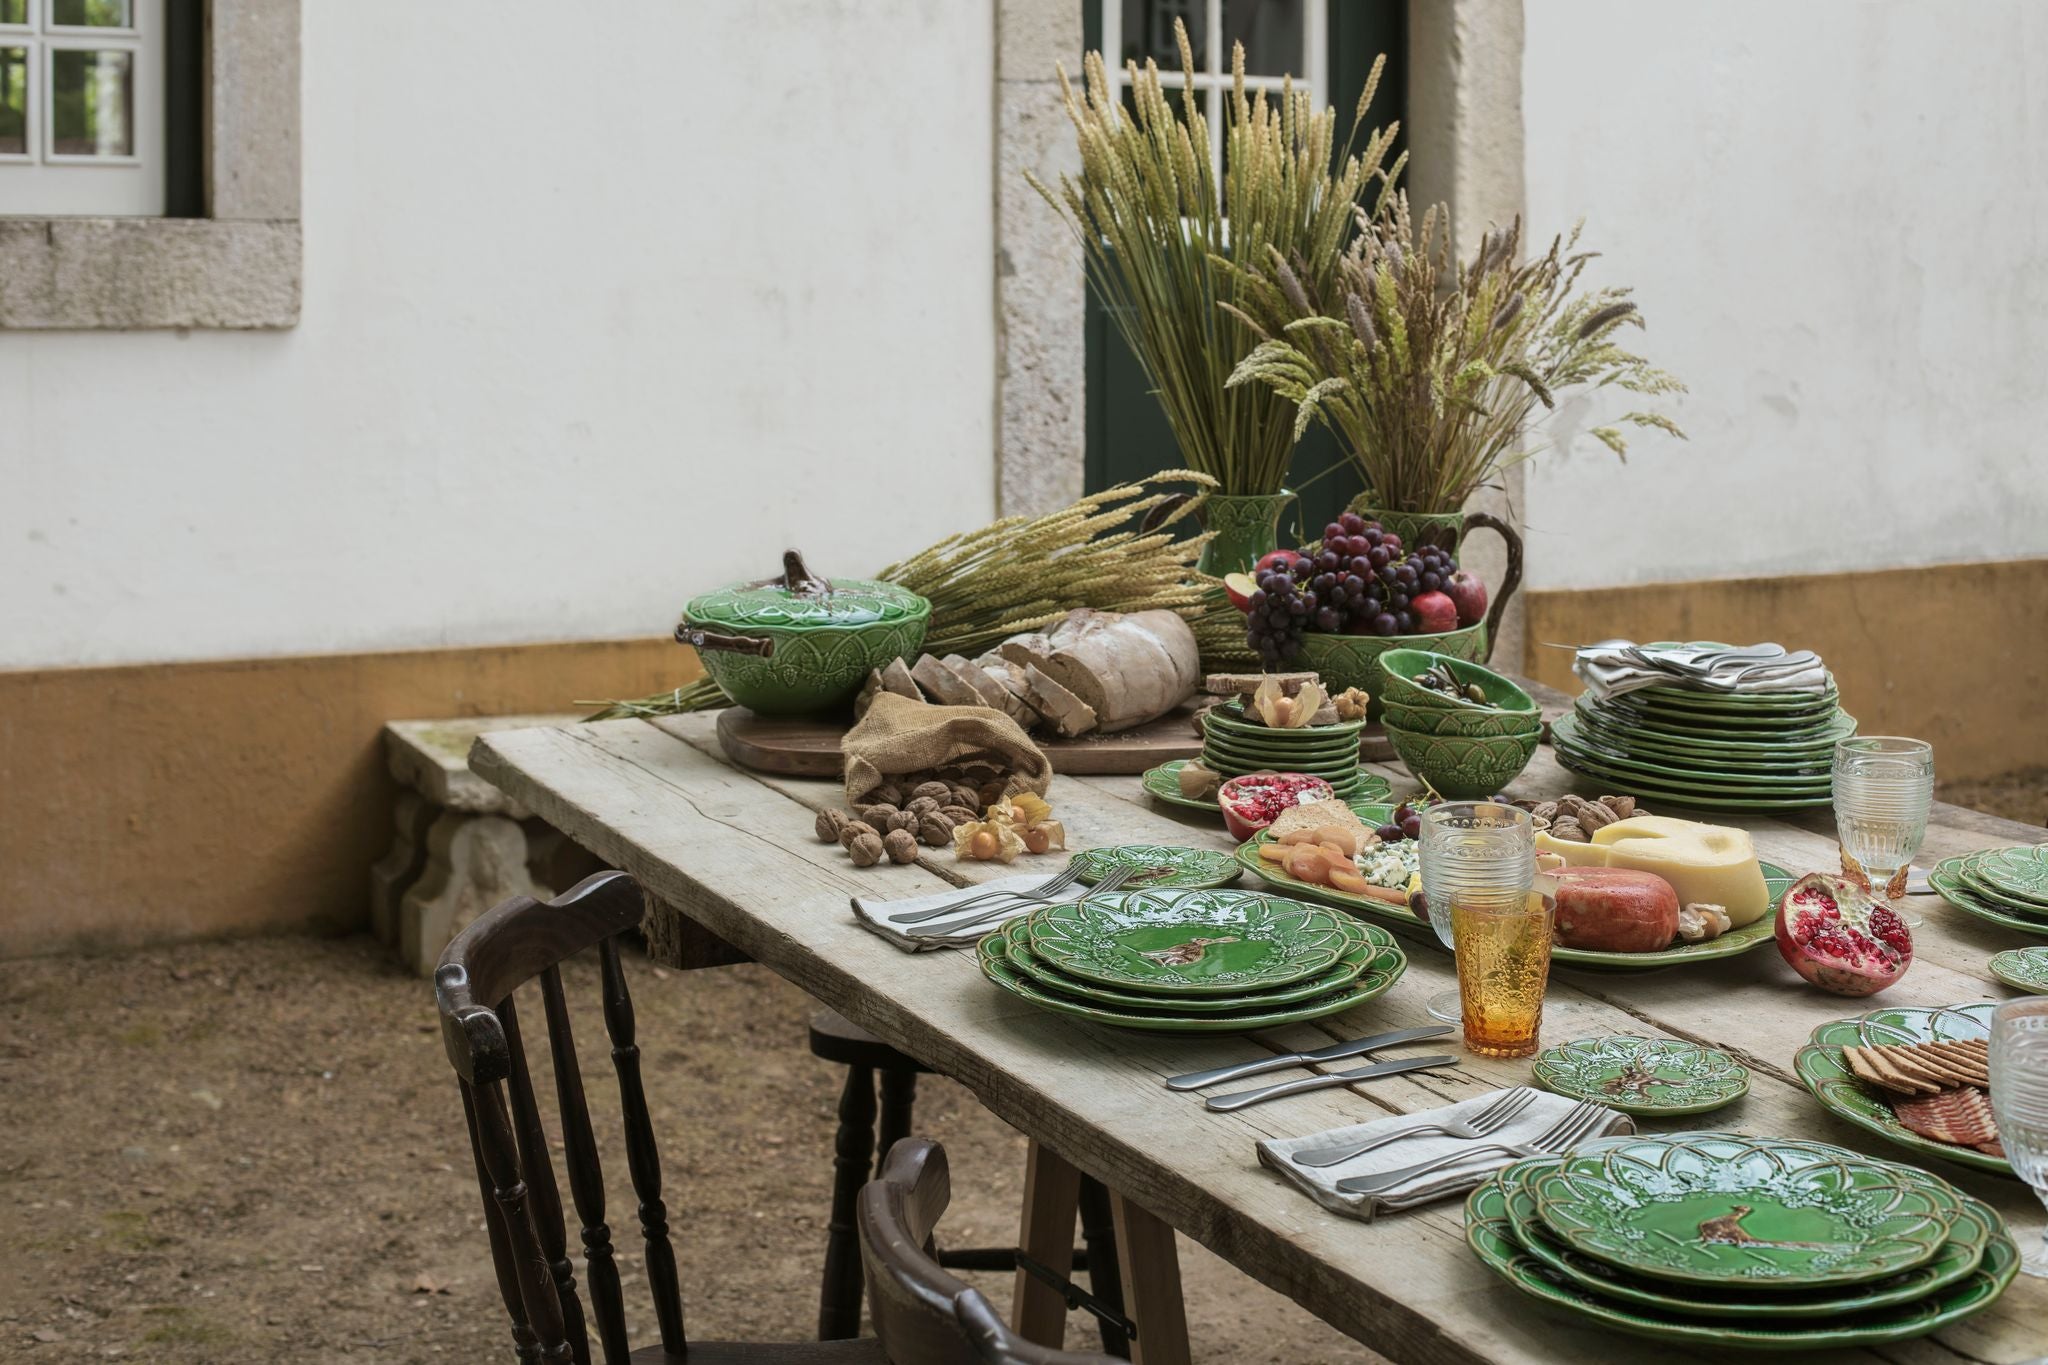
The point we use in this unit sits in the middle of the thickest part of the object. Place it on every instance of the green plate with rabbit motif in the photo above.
(1158, 866)
(1166, 943)
(1650, 1076)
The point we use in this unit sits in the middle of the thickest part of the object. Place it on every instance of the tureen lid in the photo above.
(797, 598)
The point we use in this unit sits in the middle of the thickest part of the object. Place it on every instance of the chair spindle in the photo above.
(643, 1159)
(586, 1176)
(524, 1344)
(544, 1195)
(536, 1283)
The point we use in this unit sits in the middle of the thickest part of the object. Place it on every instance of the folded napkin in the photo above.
(1614, 667)
(880, 916)
(1320, 1182)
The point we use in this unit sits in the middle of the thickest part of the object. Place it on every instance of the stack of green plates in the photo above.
(1234, 746)
(1750, 751)
(1730, 1241)
(1822, 1070)
(2007, 886)
(1203, 961)
(1163, 784)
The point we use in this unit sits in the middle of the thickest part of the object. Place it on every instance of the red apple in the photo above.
(1239, 587)
(1469, 594)
(1275, 559)
(1434, 613)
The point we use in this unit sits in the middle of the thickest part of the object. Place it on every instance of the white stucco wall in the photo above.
(1836, 216)
(601, 309)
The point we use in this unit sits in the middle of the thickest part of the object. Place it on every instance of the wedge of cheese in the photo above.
(1710, 863)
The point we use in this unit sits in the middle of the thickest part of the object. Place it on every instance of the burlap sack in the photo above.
(899, 736)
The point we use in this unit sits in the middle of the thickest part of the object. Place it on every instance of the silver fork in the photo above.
(1112, 882)
(1052, 886)
(1491, 1119)
(1582, 1120)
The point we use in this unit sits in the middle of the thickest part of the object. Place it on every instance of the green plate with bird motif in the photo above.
(1711, 1208)
(2023, 969)
(1651, 1076)
(1157, 866)
(1367, 943)
(1216, 942)
(1163, 784)
(1968, 1239)
(1491, 1235)
(1942, 877)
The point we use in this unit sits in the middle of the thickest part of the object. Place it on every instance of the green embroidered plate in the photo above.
(1188, 942)
(1163, 784)
(2024, 969)
(1490, 1234)
(1384, 970)
(2021, 872)
(1821, 1070)
(1970, 1235)
(1708, 1208)
(1643, 1075)
(1158, 865)
(1366, 944)
(1951, 889)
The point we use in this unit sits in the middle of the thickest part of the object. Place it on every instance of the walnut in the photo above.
(936, 791)
(901, 820)
(853, 829)
(888, 794)
(865, 849)
(900, 845)
(959, 814)
(935, 830)
(830, 823)
(958, 794)
(1569, 830)
(1624, 807)
(923, 805)
(990, 792)
(1544, 810)
(877, 814)
(1594, 816)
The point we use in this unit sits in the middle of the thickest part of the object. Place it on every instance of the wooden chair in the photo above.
(503, 949)
(923, 1315)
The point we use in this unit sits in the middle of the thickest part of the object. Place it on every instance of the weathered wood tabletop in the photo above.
(734, 851)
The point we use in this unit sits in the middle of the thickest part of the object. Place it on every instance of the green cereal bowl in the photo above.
(1463, 767)
(1355, 660)
(1402, 665)
(1453, 721)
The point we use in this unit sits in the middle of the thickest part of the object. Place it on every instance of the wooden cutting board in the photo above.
(809, 746)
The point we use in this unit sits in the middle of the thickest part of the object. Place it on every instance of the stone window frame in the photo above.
(240, 266)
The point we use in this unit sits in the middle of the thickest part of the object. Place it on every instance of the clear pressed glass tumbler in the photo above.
(2019, 1101)
(1478, 854)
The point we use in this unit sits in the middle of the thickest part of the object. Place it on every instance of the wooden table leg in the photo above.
(1052, 1195)
(1151, 1283)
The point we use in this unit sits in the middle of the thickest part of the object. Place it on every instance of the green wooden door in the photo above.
(1127, 434)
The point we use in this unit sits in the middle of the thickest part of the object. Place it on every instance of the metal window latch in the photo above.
(1077, 1297)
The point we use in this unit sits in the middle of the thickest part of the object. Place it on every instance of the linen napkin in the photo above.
(1614, 667)
(1320, 1182)
(880, 916)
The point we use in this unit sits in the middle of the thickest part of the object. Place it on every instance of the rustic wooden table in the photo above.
(733, 851)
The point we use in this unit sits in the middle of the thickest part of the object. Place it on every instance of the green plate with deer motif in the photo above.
(1651, 1076)
(1968, 1239)
(1158, 866)
(1491, 1235)
(1714, 1208)
(1168, 943)
(1163, 784)
(2023, 969)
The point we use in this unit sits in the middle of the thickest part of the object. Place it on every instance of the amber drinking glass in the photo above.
(1480, 851)
(1503, 955)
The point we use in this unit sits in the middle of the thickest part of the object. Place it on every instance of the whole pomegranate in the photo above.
(1841, 939)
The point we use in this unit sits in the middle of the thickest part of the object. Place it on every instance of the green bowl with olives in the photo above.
(1462, 686)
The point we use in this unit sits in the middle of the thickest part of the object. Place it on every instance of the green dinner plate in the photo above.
(1385, 970)
(1969, 1236)
(1709, 774)
(1490, 1234)
(1941, 877)
(1981, 873)
(1215, 942)
(1711, 1208)
(1229, 719)
(1821, 1070)
(1653, 1076)
(1236, 765)
(1678, 795)
(1158, 865)
(2023, 969)
(1366, 943)
(2021, 872)
(1617, 734)
(1343, 750)
(1730, 726)
(1163, 783)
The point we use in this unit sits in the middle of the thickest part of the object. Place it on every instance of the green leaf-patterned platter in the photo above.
(1653, 1076)
(1973, 870)
(1707, 774)
(1216, 942)
(1367, 943)
(1969, 1237)
(1711, 1208)
(2019, 872)
(1943, 879)
(2023, 969)
(1490, 1234)
(1384, 970)
(1163, 784)
(1158, 865)
(1819, 746)
(1821, 1070)
(1679, 795)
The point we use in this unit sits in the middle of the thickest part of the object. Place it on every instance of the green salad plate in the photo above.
(1713, 744)
(1606, 735)
(1969, 1237)
(1214, 942)
(1716, 1208)
(1491, 1234)
(1706, 775)
(1367, 943)
(1821, 1070)
(1163, 784)
(1648, 1076)
(1981, 873)
(2020, 872)
(2023, 969)
(1945, 878)
(1229, 719)
(1157, 866)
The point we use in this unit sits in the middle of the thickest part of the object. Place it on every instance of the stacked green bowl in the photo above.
(1462, 748)
(1235, 744)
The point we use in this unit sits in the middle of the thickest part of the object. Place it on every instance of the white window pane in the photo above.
(92, 103)
(14, 69)
(1148, 32)
(1274, 34)
(89, 14)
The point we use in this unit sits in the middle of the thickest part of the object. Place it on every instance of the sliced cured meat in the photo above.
(1961, 1116)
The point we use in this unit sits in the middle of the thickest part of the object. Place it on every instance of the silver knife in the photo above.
(1196, 1080)
(1238, 1099)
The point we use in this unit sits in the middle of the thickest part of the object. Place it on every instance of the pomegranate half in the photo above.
(1840, 938)
(1256, 800)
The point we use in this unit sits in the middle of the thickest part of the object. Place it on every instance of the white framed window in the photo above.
(82, 108)
(1281, 38)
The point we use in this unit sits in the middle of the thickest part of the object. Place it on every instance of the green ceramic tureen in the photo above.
(798, 643)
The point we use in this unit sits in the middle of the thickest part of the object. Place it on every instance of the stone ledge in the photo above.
(105, 273)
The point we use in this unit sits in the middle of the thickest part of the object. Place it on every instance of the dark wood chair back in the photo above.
(922, 1314)
(520, 941)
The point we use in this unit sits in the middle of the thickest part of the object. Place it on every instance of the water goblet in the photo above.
(2019, 1101)
(1475, 853)
(1883, 787)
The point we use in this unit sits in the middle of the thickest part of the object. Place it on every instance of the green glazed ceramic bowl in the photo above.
(1402, 665)
(1463, 767)
(1477, 720)
(1354, 660)
(827, 635)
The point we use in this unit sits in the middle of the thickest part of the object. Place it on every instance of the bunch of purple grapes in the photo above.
(1364, 578)
(1280, 611)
